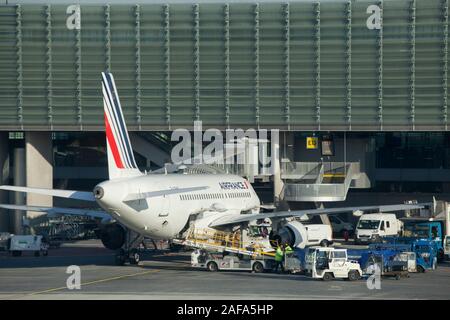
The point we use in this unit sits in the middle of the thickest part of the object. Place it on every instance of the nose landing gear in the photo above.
(129, 252)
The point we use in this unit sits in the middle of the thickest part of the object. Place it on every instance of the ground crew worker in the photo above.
(279, 255)
(346, 235)
(288, 250)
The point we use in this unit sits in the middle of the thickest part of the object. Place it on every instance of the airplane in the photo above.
(165, 206)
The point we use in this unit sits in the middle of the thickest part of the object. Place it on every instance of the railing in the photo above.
(314, 192)
(300, 170)
(313, 170)
(319, 191)
(225, 241)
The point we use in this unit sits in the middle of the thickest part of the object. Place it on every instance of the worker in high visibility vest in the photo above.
(288, 250)
(279, 255)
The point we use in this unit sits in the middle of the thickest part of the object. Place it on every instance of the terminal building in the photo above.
(357, 89)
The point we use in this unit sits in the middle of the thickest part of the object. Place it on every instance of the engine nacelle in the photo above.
(113, 236)
(294, 233)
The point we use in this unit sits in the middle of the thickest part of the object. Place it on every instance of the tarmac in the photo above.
(170, 276)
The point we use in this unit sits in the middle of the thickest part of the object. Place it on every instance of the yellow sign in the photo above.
(312, 143)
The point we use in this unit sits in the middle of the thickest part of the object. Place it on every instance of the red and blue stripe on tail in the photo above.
(121, 160)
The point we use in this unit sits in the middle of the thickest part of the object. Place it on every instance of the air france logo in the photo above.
(233, 185)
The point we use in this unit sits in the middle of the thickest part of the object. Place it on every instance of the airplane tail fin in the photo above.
(121, 162)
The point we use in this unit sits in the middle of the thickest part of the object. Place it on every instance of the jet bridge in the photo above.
(318, 182)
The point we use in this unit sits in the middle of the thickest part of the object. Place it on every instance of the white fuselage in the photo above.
(165, 216)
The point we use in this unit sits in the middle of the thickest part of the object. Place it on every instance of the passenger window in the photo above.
(382, 225)
(388, 224)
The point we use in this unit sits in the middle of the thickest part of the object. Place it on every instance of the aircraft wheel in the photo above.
(135, 258)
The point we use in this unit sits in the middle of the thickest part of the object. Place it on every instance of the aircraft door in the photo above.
(164, 209)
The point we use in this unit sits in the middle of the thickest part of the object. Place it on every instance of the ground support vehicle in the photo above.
(431, 230)
(426, 251)
(328, 263)
(215, 261)
(375, 226)
(23, 243)
(390, 263)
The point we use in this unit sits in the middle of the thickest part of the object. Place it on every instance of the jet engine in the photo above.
(294, 233)
(113, 236)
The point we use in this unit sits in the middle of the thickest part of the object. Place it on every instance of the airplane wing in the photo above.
(78, 195)
(239, 218)
(56, 211)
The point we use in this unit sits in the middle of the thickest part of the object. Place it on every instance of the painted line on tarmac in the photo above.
(9, 258)
(97, 281)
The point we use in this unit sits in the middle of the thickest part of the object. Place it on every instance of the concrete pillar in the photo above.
(39, 168)
(19, 197)
(288, 146)
(275, 164)
(4, 176)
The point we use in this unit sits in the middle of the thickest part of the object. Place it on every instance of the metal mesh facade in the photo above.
(296, 66)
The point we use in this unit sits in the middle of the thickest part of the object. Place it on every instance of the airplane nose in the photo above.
(98, 192)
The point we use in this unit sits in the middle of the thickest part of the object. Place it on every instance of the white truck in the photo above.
(319, 234)
(374, 226)
(23, 243)
(331, 263)
(340, 226)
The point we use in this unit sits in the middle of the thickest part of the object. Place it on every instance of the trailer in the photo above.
(292, 264)
(218, 261)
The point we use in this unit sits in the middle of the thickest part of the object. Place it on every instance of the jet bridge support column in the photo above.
(275, 165)
(39, 168)
(4, 175)
(18, 197)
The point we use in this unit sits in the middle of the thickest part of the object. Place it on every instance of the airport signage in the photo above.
(312, 142)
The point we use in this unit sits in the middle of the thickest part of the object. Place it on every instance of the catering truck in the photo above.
(374, 226)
